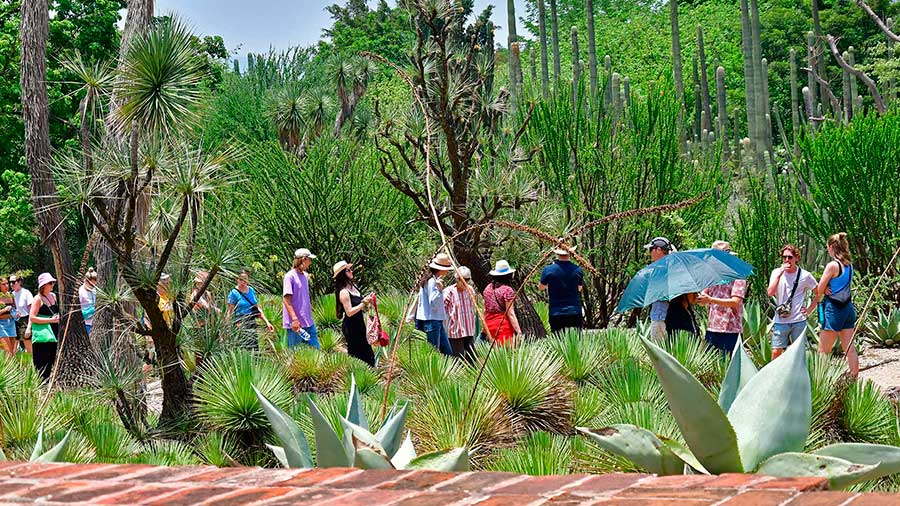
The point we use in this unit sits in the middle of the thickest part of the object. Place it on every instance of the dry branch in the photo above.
(877, 19)
(876, 96)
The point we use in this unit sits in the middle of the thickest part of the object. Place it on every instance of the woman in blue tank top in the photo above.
(838, 313)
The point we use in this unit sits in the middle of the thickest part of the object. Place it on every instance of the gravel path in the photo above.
(882, 366)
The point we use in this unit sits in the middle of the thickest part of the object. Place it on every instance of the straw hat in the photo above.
(338, 267)
(502, 268)
(303, 253)
(45, 278)
(565, 251)
(441, 262)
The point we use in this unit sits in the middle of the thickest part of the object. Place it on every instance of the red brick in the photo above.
(566, 499)
(432, 499)
(250, 496)
(605, 484)
(733, 480)
(676, 481)
(419, 480)
(506, 500)
(314, 477)
(140, 495)
(90, 494)
(877, 500)
(700, 494)
(7, 487)
(308, 497)
(161, 474)
(258, 477)
(213, 475)
(189, 496)
(478, 482)
(537, 485)
(367, 498)
(49, 490)
(760, 498)
(369, 479)
(24, 469)
(119, 472)
(653, 502)
(65, 471)
(798, 484)
(821, 499)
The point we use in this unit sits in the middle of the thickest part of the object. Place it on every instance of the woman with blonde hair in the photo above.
(838, 315)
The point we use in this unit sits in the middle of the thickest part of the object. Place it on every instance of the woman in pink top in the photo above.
(499, 314)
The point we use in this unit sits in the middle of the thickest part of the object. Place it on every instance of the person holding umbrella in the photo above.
(726, 309)
(658, 248)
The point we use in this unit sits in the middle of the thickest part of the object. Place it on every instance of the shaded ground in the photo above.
(882, 366)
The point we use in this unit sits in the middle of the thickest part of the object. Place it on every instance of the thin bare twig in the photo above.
(877, 19)
(876, 96)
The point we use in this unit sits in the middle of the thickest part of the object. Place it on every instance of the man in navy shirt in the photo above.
(563, 281)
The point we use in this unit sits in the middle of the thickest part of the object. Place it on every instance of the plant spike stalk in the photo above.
(513, 54)
(795, 113)
(851, 59)
(592, 47)
(554, 40)
(576, 67)
(676, 52)
(722, 110)
(533, 57)
(542, 32)
(767, 106)
(698, 105)
(704, 80)
(749, 76)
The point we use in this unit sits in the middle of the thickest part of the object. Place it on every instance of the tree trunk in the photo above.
(74, 362)
(513, 54)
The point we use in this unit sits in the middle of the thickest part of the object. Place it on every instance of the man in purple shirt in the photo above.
(297, 313)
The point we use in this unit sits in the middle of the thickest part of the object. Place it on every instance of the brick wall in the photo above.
(108, 484)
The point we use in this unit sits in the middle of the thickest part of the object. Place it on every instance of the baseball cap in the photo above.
(659, 242)
(303, 253)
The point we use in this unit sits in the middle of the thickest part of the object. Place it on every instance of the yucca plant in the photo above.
(828, 383)
(331, 340)
(167, 452)
(323, 311)
(111, 442)
(216, 448)
(37, 452)
(424, 368)
(313, 371)
(884, 331)
(581, 354)
(358, 447)
(588, 405)
(868, 415)
(538, 454)
(749, 429)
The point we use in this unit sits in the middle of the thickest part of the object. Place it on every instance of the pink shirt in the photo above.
(460, 310)
(722, 318)
(495, 300)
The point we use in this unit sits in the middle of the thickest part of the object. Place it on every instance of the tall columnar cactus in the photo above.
(676, 52)
(722, 110)
(237, 67)
(892, 85)
(626, 85)
(542, 34)
(698, 106)
(615, 95)
(846, 95)
(704, 80)
(608, 97)
(532, 55)
(763, 134)
(851, 59)
(576, 67)
(795, 113)
(554, 39)
(811, 63)
(767, 108)
(750, 86)
(592, 46)
(516, 55)
(820, 62)
(810, 108)
(513, 54)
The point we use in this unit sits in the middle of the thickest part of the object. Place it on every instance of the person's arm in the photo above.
(230, 310)
(773, 281)
(33, 315)
(543, 283)
(513, 320)
(436, 291)
(287, 298)
(830, 271)
(349, 309)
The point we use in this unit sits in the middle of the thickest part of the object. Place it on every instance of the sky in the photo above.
(256, 25)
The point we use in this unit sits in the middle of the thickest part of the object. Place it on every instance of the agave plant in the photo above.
(38, 454)
(748, 430)
(386, 449)
(756, 333)
(885, 330)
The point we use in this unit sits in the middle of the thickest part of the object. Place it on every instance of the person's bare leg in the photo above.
(850, 351)
(826, 341)
(9, 344)
(27, 343)
(776, 352)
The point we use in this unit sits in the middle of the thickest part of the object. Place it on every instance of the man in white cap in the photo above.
(297, 311)
(563, 281)
(658, 248)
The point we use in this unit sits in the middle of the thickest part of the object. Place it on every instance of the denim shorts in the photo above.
(783, 334)
(838, 318)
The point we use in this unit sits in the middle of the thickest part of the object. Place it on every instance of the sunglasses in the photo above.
(787, 257)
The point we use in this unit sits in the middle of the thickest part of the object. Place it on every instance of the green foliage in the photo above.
(540, 453)
(885, 330)
(868, 415)
(17, 223)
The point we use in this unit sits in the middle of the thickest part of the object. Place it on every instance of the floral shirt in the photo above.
(722, 318)
(495, 300)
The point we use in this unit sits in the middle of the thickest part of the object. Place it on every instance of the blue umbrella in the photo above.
(682, 272)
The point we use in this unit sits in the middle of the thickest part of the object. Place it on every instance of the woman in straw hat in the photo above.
(430, 309)
(499, 314)
(350, 306)
(44, 318)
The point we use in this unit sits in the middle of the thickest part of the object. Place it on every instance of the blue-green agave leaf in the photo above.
(53, 454)
(638, 445)
(703, 424)
(405, 454)
(293, 441)
(38, 445)
(740, 370)
(390, 436)
(369, 459)
(279, 454)
(456, 460)
(355, 411)
(683, 453)
(329, 449)
(772, 413)
(887, 458)
(840, 473)
(359, 435)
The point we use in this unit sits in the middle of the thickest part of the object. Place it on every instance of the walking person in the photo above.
(658, 248)
(499, 311)
(243, 306)
(789, 284)
(459, 305)
(87, 296)
(430, 308)
(350, 308)
(726, 310)
(23, 298)
(297, 308)
(563, 281)
(44, 316)
(838, 313)
(7, 318)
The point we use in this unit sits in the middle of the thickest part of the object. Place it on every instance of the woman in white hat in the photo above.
(430, 309)
(351, 306)
(44, 318)
(499, 296)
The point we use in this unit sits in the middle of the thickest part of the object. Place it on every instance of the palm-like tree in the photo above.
(351, 77)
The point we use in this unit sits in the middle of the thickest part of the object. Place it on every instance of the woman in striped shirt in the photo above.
(459, 305)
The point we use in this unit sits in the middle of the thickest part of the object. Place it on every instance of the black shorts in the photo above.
(565, 321)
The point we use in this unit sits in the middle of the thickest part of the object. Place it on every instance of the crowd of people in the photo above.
(448, 315)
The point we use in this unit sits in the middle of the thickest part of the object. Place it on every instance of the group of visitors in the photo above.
(31, 320)
(789, 284)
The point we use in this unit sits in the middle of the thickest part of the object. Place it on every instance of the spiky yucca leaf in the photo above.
(868, 415)
(538, 454)
(588, 405)
(224, 392)
(366, 378)
(425, 368)
(216, 449)
(167, 452)
(323, 310)
(581, 354)
(705, 363)
(111, 442)
(621, 344)
(331, 340)
(629, 380)
(313, 371)
(826, 375)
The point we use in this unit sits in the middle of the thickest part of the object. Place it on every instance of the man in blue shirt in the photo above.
(563, 281)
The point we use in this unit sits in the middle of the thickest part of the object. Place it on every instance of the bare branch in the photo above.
(835, 103)
(881, 25)
(876, 96)
(170, 243)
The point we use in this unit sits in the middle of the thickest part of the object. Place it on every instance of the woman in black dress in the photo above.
(350, 306)
(680, 316)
